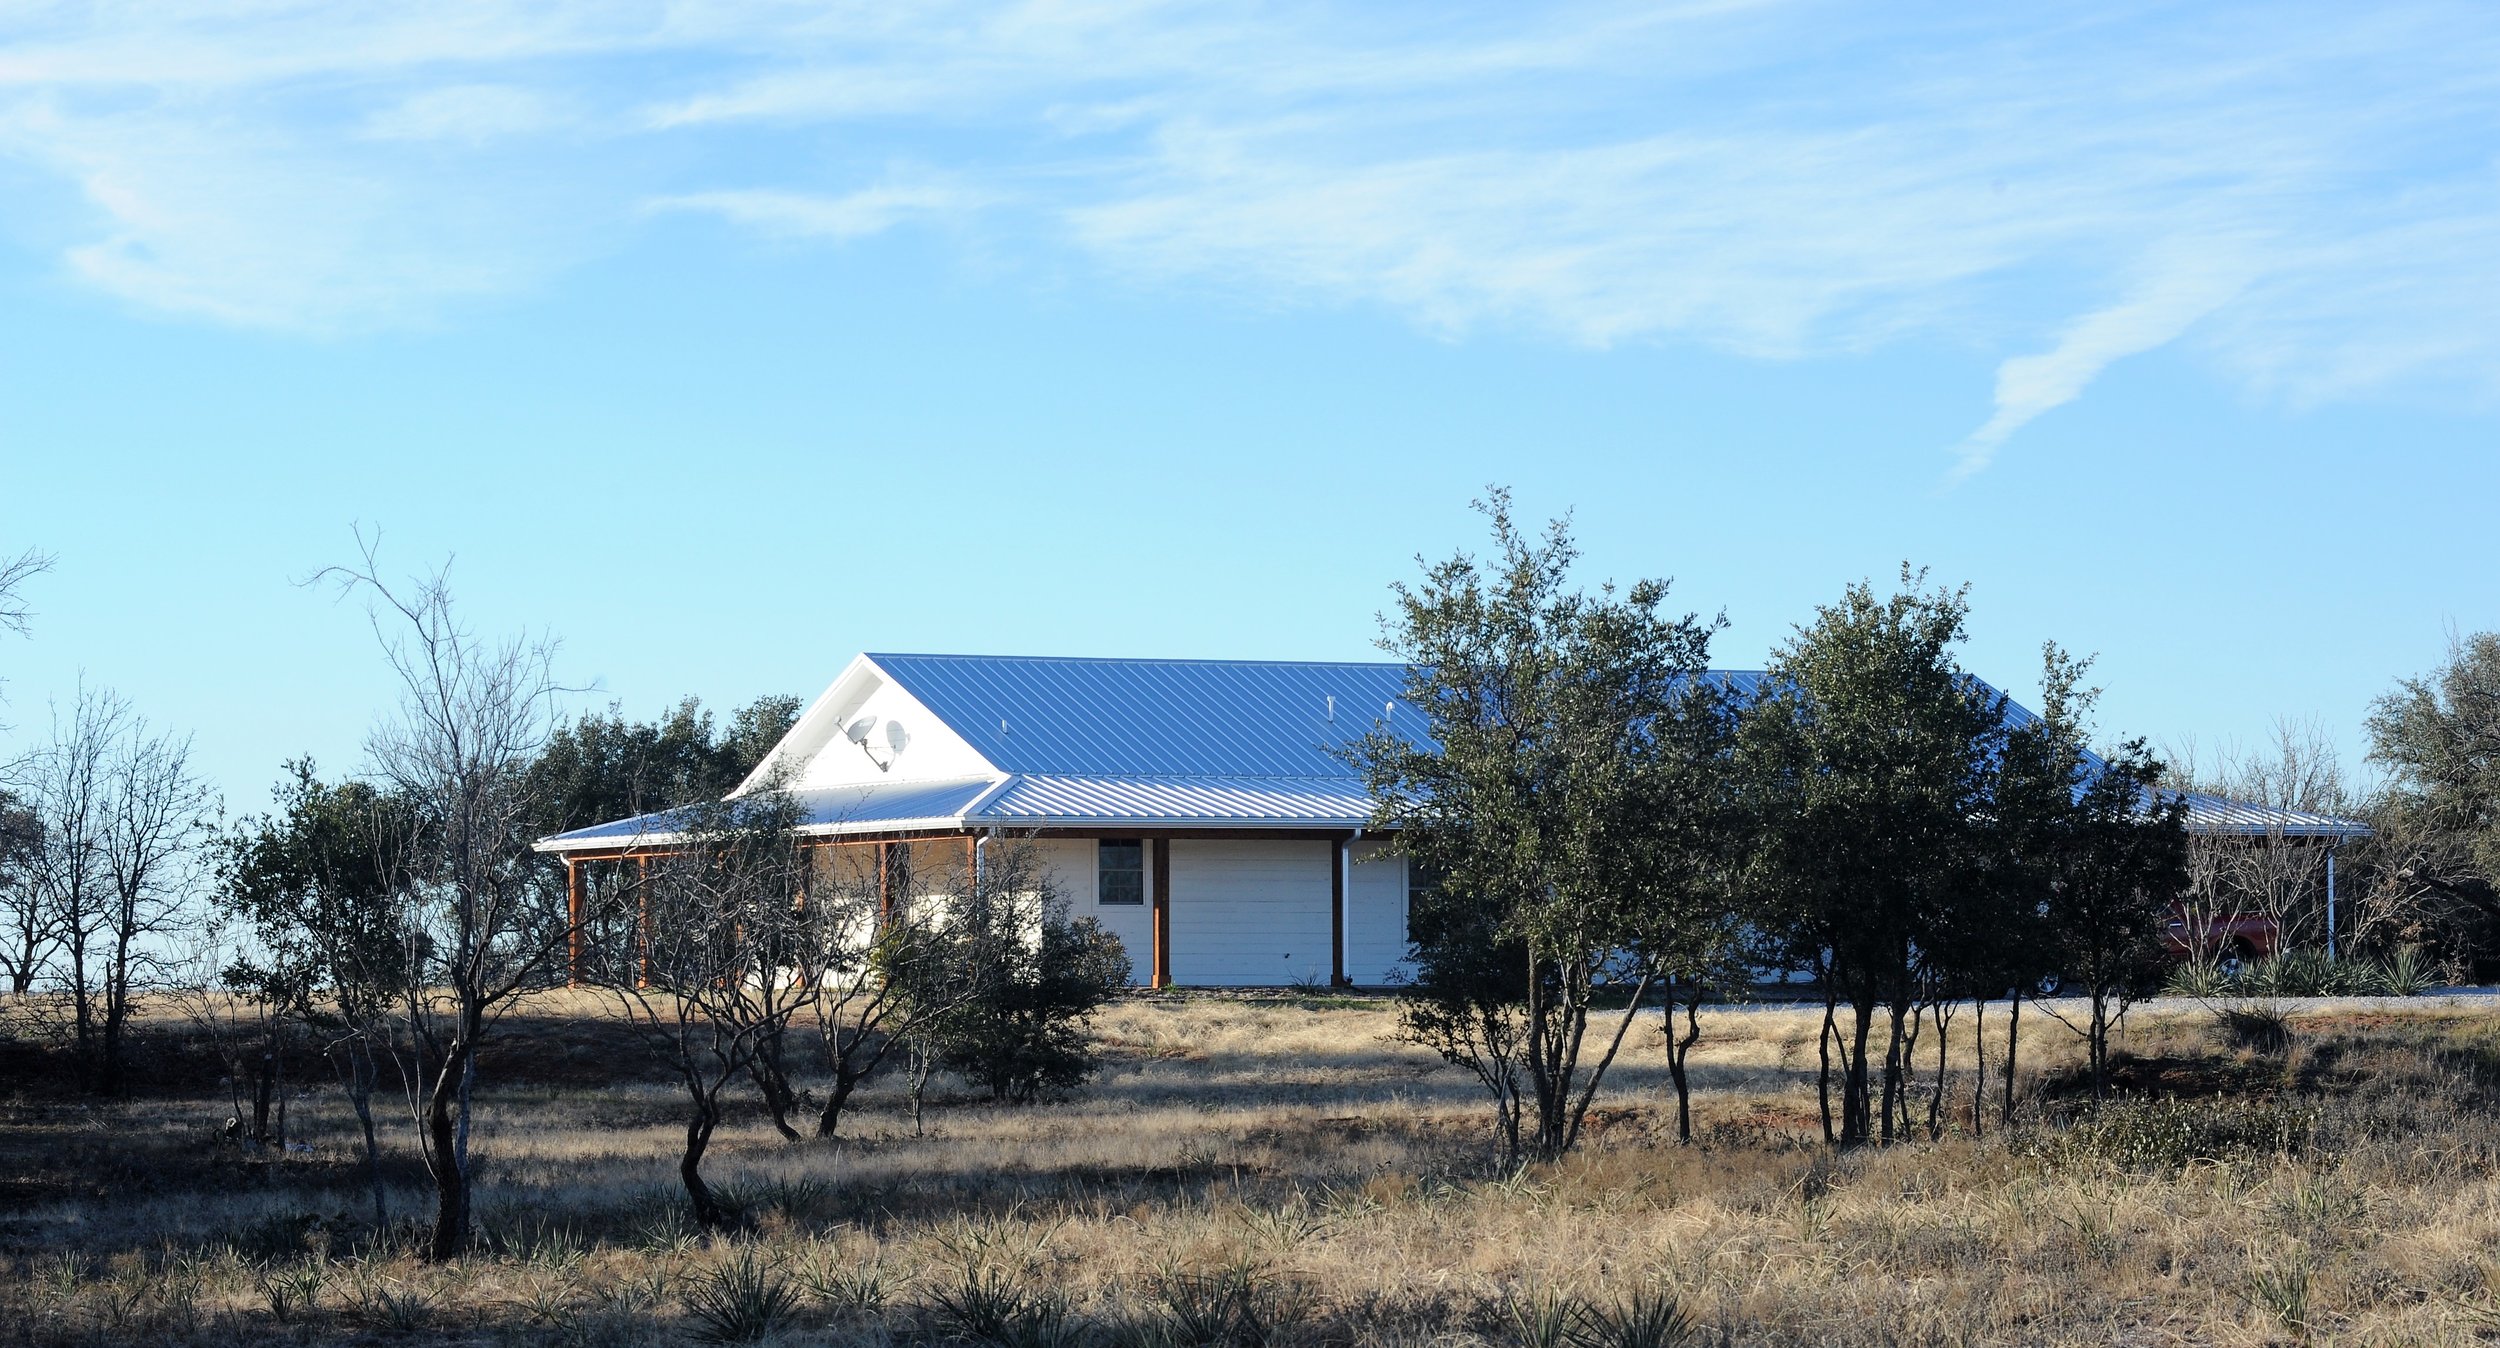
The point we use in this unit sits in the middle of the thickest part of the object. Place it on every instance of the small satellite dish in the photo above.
(858, 731)
(895, 736)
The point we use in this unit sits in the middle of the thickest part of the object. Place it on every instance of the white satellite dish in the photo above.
(859, 731)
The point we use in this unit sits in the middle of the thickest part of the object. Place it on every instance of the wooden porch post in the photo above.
(885, 884)
(642, 922)
(1162, 977)
(1339, 856)
(573, 905)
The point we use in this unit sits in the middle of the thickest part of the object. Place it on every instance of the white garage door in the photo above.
(1249, 914)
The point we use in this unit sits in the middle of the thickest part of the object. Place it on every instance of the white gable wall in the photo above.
(930, 751)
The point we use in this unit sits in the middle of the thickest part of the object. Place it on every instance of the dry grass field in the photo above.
(1270, 1171)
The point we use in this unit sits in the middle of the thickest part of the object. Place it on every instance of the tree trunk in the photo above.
(1857, 1097)
(1935, 1104)
(2013, 1043)
(699, 1125)
(264, 1086)
(1979, 1065)
(361, 1074)
(1898, 1048)
(1823, 1049)
(829, 1120)
(450, 1160)
(2098, 1041)
(772, 1081)
(1679, 1049)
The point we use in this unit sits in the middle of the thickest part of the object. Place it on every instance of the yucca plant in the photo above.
(1205, 1310)
(2256, 1026)
(1650, 1318)
(985, 1306)
(2282, 1290)
(2408, 973)
(1553, 1320)
(395, 1307)
(2200, 976)
(852, 1291)
(290, 1289)
(741, 1301)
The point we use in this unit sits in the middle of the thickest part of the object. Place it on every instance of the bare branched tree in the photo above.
(725, 965)
(26, 935)
(70, 783)
(119, 821)
(484, 920)
(159, 816)
(2266, 870)
(16, 616)
(881, 971)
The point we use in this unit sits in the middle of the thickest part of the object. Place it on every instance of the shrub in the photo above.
(1021, 1036)
(2255, 1027)
(2158, 1135)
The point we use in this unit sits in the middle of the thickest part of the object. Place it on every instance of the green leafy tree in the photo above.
(1529, 811)
(1689, 923)
(315, 882)
(1009, 1002)
(602, 767)
(27, 935)
(2105, 852)
(1870, 761)
(2438, 736)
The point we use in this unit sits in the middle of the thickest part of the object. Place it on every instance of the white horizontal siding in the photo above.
(1250, 914)
(1076, 873)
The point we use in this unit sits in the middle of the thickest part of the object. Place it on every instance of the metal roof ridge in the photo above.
(1136, 660)
(1191, 776)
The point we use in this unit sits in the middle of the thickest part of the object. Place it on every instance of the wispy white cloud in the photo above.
(2300, 195)
(851, 215)
(2189, 286)
(473, 113)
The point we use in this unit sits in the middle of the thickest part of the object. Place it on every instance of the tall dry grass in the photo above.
(1257, 1171)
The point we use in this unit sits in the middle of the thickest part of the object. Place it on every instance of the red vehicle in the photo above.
(2228, 938)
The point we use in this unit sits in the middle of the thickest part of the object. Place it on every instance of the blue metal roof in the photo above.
(1313, 802)
(1158, 718)
(1194, 743)
(2217, 815)
(872, 807)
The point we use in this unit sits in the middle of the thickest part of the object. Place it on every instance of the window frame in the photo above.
(1103, 872)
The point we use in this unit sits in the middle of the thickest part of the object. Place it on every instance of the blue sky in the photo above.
(726, 341)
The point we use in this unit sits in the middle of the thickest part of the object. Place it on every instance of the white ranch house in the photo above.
(1194, 808)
